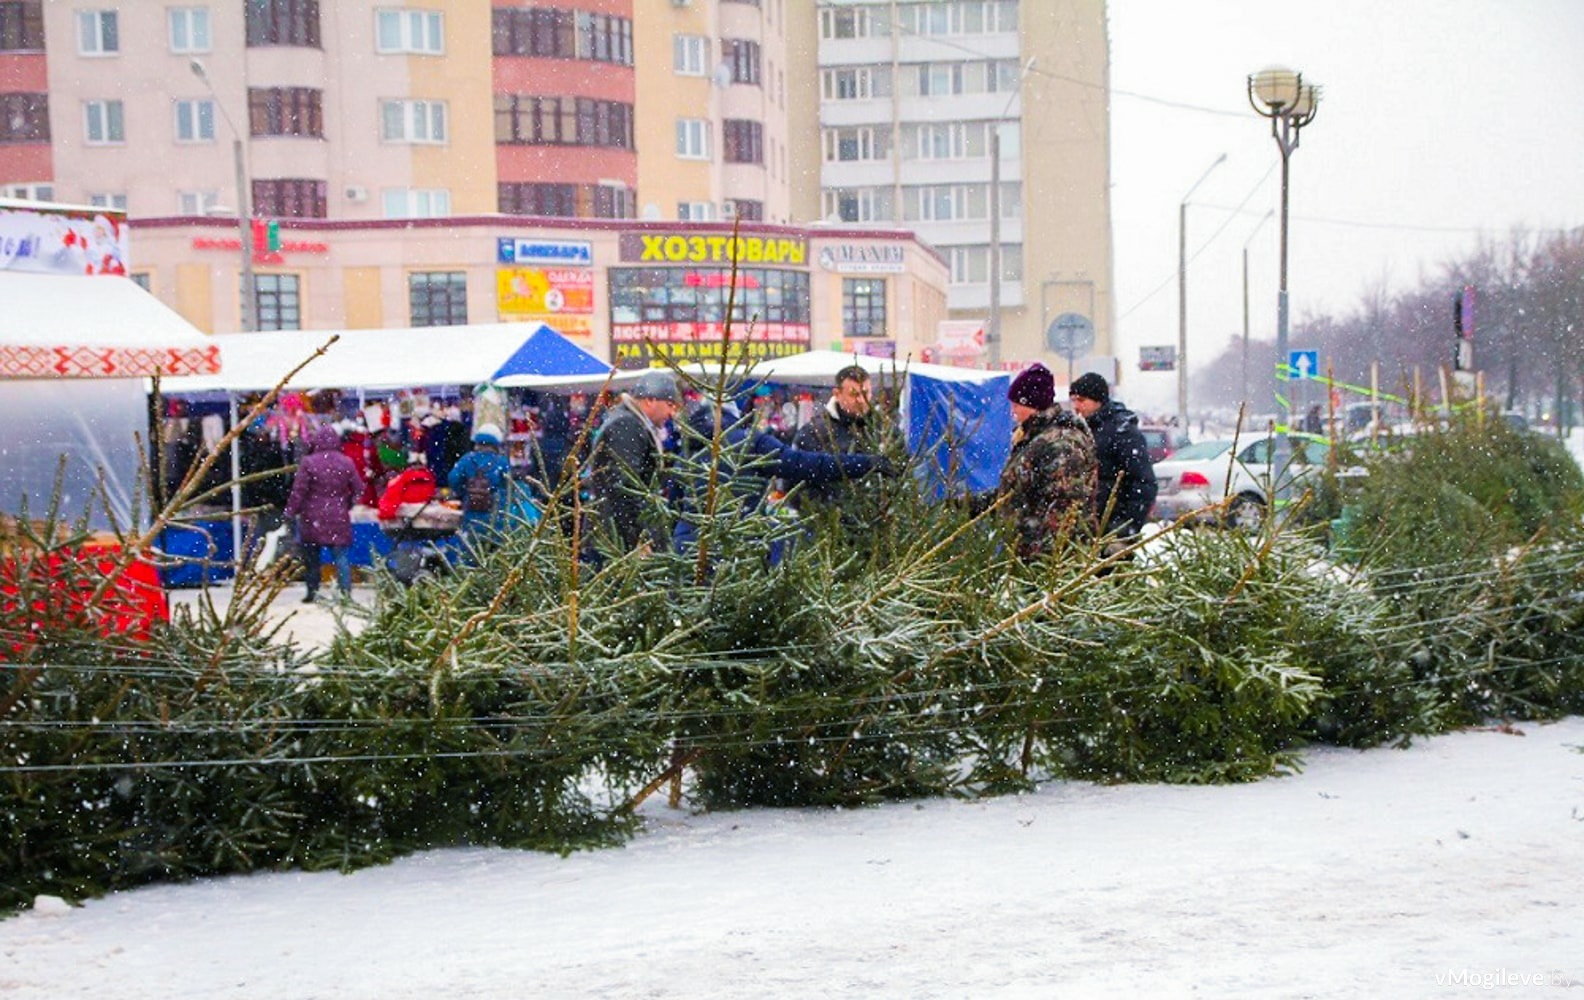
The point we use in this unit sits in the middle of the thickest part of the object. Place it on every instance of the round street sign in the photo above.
(1071, 334)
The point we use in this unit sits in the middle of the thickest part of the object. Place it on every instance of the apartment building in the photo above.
(908, 97)
(432, 135)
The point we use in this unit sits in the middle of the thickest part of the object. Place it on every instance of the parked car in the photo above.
(1161, 440)
(1203, 474)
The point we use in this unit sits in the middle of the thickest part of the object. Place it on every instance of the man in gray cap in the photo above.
(628, 453)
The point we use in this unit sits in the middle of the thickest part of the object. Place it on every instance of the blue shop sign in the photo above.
(566, 253)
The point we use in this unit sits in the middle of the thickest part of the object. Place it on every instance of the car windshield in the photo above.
(1305, 450)
(1200, 451)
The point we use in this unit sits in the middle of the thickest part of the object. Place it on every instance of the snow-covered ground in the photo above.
(1451, 867)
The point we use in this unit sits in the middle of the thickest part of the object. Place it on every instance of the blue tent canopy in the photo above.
(547, 354)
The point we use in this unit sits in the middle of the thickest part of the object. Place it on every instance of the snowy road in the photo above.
(1421, 873)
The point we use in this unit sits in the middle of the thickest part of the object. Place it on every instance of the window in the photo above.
(36, 191)
(283, 22)
(855, 83)
(693, 138)
(285, 111)
(859, 205)
(695, 211)
(561, 34)
(744, 209)
(96, 33)
(141, 279)
(675, 295)
(847, 145)
(688, 55)
(537, 199)
(22, 26)
(413, 121)
(189, 29)
(103, 123)
(400, 30)
(108, 200)
(533, 32)
(279, 301)
(24, 118)
(196, 202)
(290, 198)
(195, 121)
(848, 22)
(970, 265)
(742, 141)
(438, 298)
(562, 121)
(742, 56)
(614, 201)
(863, 307)
(417, 203)
(604, 38)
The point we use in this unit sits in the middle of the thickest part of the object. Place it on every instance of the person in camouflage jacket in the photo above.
(1051, 474)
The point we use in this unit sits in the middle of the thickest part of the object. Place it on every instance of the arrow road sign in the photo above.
(1305, 363)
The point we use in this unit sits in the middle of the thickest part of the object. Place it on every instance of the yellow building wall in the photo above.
(360, 288)
(466, 163)
(195, 295)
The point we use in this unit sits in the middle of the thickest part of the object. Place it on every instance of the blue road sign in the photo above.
(1303, 364)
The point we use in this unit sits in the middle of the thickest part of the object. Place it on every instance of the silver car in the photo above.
(1196, 479)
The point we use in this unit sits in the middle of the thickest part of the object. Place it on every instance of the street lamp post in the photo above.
(1182, 297)
(1252, 233)
(249, 300)
(1282, 96)
(993, 321)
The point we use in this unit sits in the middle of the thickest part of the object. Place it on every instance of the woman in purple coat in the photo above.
(322, 494)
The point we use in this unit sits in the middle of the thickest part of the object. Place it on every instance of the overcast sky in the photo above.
(1440, 120)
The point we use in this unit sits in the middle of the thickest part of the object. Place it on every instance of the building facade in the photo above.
(912, 96)
(511, 120)
(636, 292)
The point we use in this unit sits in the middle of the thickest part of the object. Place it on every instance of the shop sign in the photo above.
(863, 258)
(647, 354)
(690, 248)
(544, 290)
(566, 324)
(90, 241)
(870, 348)
(565, 253)
(232, 245)
(690, 333)
(1158, 359)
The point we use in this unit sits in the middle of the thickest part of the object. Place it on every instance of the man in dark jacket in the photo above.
(1127, 477)
(839, 428)
(1049, 477)
(322, 494)
(627, 455)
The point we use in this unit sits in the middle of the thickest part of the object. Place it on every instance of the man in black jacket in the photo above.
(628, 453)
(1127, 477)
(839, 428)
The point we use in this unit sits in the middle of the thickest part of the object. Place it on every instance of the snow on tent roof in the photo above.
(94, 326)
(530, 355)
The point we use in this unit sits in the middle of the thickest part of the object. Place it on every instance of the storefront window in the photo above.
(438, 298)
(863, 307)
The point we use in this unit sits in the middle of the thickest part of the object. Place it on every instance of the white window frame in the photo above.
(92, 28)
(191, 124)
(189, 29)
(418, 123)
(29, 191)
(417, 31)
(867, 82)
(108, 119)
(861, 21)
(118, 201)
(873, 143)
(694, 140)
(874, 204)
(416, 203)
(196, 202)
(690, 55)
(696, 211)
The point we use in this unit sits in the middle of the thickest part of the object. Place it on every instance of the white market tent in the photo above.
(515, 355)
(73, 351)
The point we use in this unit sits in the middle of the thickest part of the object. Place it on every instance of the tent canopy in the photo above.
(820, 367)
(94, 326)
(515, 354)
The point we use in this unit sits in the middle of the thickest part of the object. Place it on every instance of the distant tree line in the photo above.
(1528, 331)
